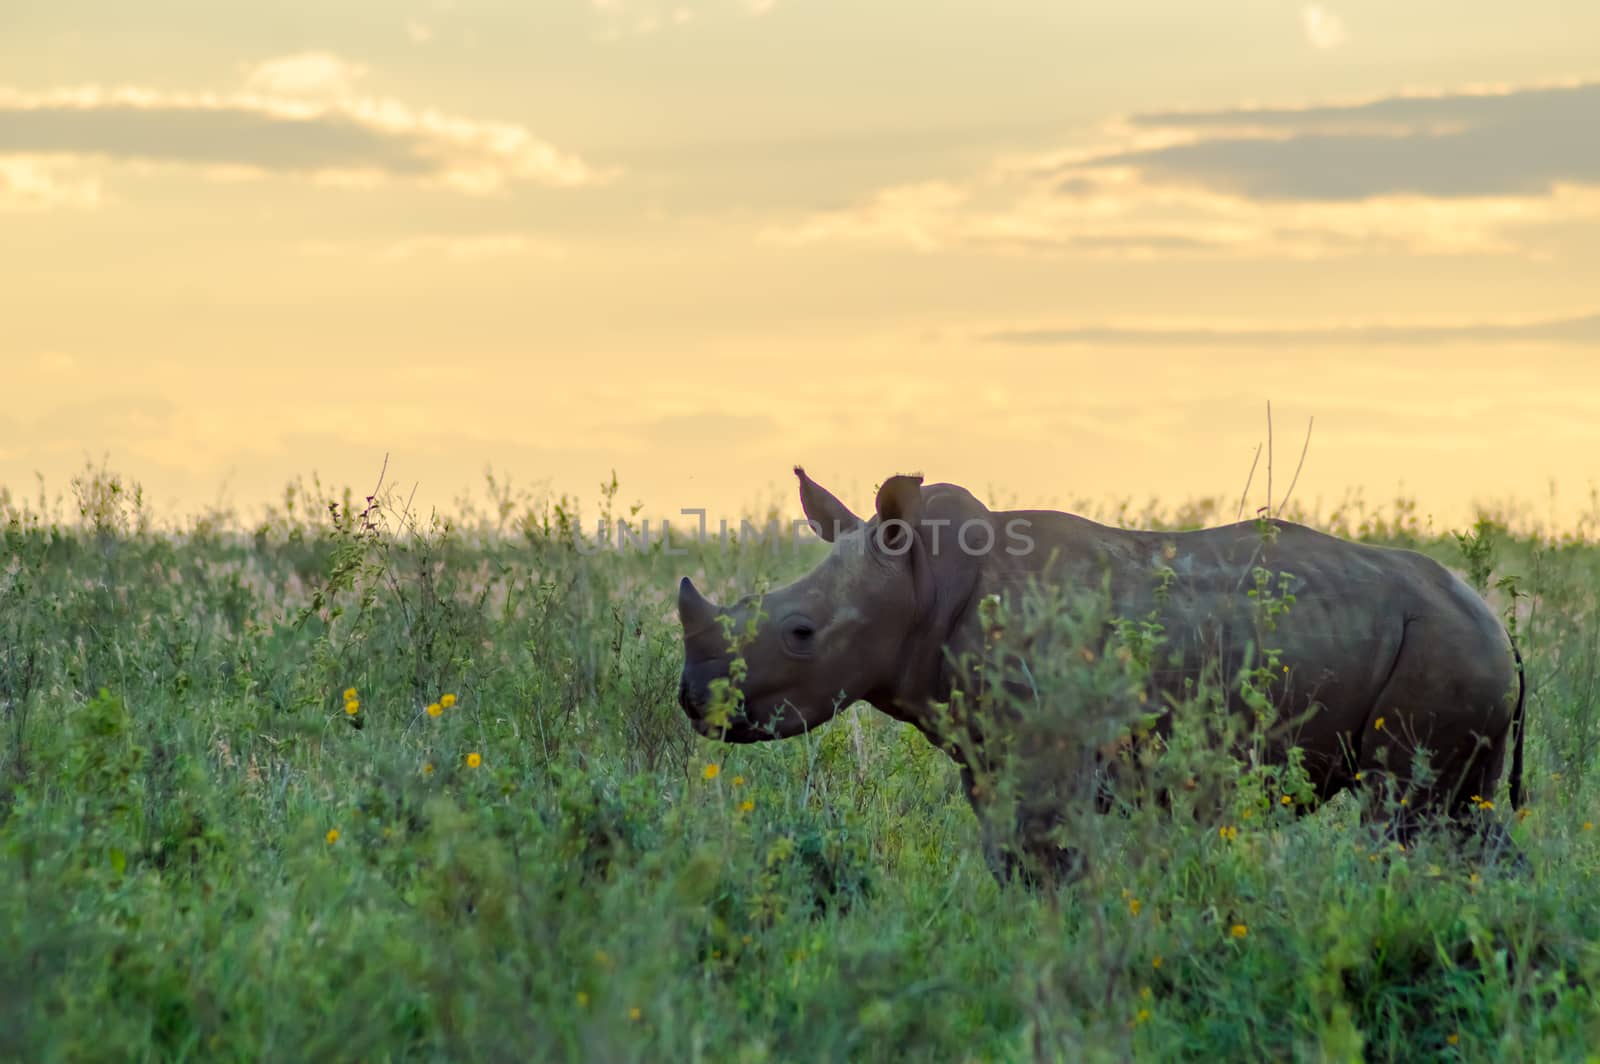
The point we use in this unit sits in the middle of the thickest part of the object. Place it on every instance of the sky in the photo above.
(1051, 251)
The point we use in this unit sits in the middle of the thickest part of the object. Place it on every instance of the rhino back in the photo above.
(1338, 641)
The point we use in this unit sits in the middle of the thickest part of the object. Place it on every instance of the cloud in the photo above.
(1323, 28)
(1120, 216)
(1395, 113)
(305, 74)
(30, 184)
(1474, 172)
(1579, 330)
(57, 364)
(918, 215)
(117, 421)
(625, 18)
(701, 427)
(454, 248)
(1517, 142)
(329, 136)
(472, 248)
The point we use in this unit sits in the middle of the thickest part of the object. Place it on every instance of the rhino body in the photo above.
(1384, 653)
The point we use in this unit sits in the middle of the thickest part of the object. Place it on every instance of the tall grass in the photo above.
(205, 856)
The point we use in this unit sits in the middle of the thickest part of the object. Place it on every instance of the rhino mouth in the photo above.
(694, 687)
(782, 721)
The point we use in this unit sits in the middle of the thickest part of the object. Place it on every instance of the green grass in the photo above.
(174, 753)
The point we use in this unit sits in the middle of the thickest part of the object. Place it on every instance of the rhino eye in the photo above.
(799, 635)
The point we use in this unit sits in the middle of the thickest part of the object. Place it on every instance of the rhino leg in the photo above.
(1433, 745)
(1017, 840)
(1411, 782)
(1478, 827)
(1042, 866)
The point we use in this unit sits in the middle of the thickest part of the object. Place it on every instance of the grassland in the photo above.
(207, 853)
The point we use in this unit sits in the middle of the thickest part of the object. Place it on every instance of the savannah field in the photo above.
(352, 783)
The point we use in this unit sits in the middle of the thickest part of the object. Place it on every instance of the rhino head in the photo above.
(863, 625)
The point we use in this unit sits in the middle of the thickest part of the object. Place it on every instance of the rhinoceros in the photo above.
(1384, 653)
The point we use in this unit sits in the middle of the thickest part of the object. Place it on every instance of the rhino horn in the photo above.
(695, 612)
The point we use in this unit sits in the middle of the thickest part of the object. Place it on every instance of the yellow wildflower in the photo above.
(583, 999)
(1228, 832)
(1588, 825)
(352, 707)
(747, 805)
(1144, 993)
(1377, 725)
(1238, 930)
(1142, 1016)
(473, 760)
(333, 836)
(349, 694)
(1134, 906)
(711, 770)
(1286, 800)
(434, 709)
(634, 1014)
(427, 768)
(738, 781)
(1155, 962)
(447, 700)
(1452, 1038)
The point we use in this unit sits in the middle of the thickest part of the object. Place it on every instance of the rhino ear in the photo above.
(899, 512)
(830, 516)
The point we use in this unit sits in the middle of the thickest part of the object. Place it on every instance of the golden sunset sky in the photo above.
(1047, 250)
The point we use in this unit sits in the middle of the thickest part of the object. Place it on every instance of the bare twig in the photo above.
(1247, 482)
(1269, 458)
(383, 472)
(1296, 478)
(373, 501)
